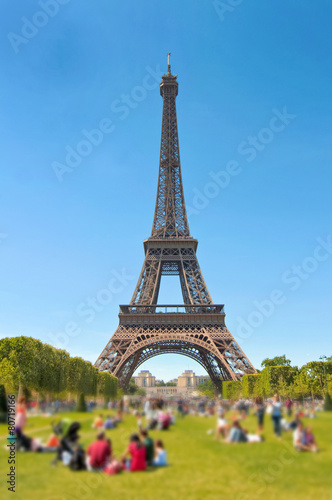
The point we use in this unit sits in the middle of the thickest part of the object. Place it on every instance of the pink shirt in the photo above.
(138, 457)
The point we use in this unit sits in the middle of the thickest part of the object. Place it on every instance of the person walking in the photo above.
(260, 410)
(276, 415)
(289, 406)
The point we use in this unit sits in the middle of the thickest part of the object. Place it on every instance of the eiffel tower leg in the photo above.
(147, 288)
(194, 289)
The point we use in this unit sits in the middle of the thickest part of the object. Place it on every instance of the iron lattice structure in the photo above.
(195, 329)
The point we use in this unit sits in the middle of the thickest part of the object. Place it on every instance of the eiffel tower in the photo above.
(195, 329)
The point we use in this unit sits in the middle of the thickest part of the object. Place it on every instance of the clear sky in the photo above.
(80, 133)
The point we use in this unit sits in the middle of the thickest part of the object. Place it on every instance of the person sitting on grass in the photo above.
(137, 453)
(98, 422)
(310, 439)
(236, 435)
(109, 423)
(164, 420)
(160, 455)
(304, 439)
(295, 422)
(299, 438)
(222, 425)
(99, 453)
(149, 446)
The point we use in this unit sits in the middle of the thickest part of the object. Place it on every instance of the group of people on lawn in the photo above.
(303, 438)
(140, 453)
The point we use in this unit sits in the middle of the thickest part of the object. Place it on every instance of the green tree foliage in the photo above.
(329, 384)
(132, 388)
(327, 402)
(315, 372)
(280, 379)
(276, 361)
(107, 385)
(207, 388)
(20, 365)
(300, 387)
(81, 406)
(231, 389)
(3, 404)
(28, 363)
(251, 385)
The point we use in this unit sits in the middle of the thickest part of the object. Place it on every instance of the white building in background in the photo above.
(187, 384)
(190, 380)
(144, 379)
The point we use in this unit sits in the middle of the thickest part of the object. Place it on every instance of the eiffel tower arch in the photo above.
(195, 328)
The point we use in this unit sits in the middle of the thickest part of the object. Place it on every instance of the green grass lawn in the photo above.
(200, 468)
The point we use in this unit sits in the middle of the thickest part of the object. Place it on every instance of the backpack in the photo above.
(77, 461)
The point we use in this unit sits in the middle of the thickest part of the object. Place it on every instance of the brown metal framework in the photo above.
(195, 329)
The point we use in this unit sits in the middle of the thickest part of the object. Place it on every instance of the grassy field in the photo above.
(200, 468)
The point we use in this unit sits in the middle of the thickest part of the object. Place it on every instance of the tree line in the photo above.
(29, 364)
(314, 379)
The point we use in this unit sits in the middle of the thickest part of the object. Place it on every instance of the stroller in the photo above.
(68, 440)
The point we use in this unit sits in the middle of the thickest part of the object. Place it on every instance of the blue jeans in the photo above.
(276, 424)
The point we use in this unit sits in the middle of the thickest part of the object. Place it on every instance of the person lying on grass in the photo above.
(239, 435)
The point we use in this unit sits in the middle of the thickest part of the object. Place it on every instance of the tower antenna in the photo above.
(169, 63)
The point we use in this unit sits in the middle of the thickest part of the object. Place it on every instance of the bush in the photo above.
(3, 404)
(81, 406)
(327, 402)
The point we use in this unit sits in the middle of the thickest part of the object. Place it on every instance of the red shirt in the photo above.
(138, 457)
(99, 453)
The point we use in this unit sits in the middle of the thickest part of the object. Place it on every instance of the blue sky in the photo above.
(254, 112)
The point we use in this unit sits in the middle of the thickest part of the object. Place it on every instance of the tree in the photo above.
(281, 378)
(276, 361)
(132, 388)
(107, 385)
(316, 371)
(231, 389)
(28, 364)
(207, 388)
(81, 406)
(300, 387)
(250, 385)
(327, 402)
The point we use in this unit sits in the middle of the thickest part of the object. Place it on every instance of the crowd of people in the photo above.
(143, 451)
(233, 431)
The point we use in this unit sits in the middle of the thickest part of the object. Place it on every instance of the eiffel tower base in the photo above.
(198, 332)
